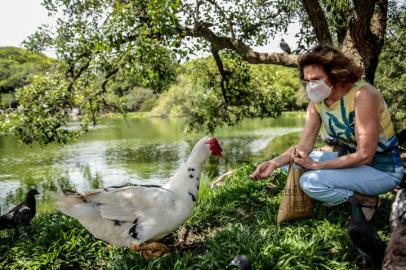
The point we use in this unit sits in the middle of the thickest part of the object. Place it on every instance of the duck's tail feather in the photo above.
(71, 203)
(4, 223)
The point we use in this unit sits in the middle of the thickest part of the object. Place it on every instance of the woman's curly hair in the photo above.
(338, 67)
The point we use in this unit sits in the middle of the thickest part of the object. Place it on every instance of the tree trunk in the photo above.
(367, 59)
(366, 33)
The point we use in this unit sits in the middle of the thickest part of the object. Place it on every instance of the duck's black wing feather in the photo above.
(365, 237)
(22, 215)
(7, 220)
(395, 254)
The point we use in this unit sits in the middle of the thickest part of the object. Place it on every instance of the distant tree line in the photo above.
(17, 67)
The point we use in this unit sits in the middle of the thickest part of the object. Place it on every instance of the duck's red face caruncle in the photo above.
(215, 147)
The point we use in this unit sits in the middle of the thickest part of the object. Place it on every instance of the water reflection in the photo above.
(146, 150)
(145, 153)
(14, 192)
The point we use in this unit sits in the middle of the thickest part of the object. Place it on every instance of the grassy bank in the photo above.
(237, 218)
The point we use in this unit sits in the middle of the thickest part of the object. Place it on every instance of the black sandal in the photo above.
(370, 210)
(367, 209)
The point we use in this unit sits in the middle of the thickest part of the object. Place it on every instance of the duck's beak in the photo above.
(233, 263)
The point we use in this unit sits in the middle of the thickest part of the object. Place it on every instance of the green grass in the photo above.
(299, 114)
(237, 218)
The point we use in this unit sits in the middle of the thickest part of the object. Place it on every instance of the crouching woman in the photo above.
(354, 114)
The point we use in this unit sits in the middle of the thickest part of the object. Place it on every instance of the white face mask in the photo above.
(317, 90)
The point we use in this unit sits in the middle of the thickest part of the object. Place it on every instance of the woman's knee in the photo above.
(310, 183)
(318, 156)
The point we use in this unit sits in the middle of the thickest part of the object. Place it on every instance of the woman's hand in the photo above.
(263, 170)
(303, 159)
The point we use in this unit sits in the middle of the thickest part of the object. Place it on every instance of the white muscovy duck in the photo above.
(133, 214)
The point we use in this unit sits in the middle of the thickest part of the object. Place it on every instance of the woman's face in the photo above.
(315, 73)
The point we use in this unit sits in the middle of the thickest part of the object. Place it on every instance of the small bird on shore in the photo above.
(21, 214)
(241, 262)
(285, 46)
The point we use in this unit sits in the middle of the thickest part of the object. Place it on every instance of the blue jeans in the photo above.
(335, 186)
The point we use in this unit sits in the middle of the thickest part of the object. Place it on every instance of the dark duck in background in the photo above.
(365, 237)
(241, 262)
(395, 254)
(21, 214)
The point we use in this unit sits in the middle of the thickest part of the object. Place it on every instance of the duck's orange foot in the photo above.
(153, 250)
(134, 248)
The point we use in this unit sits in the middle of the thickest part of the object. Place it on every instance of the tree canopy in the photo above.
(17, 66)
(97, 42)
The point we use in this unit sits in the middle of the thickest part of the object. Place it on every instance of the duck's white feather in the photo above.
(110, 214)
(134, 214)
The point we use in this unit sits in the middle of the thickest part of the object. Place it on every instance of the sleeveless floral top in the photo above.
(339, 122)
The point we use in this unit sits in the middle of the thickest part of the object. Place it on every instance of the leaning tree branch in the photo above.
(319, 22)
(224, 75)
(107, 78)
(77, 75)
(246, 52)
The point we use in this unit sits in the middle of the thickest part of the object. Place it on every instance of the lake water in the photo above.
(145, 150)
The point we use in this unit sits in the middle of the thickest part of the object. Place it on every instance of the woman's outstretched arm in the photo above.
(306, 143)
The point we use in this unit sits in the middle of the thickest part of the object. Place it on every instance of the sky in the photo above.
(20, 18)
